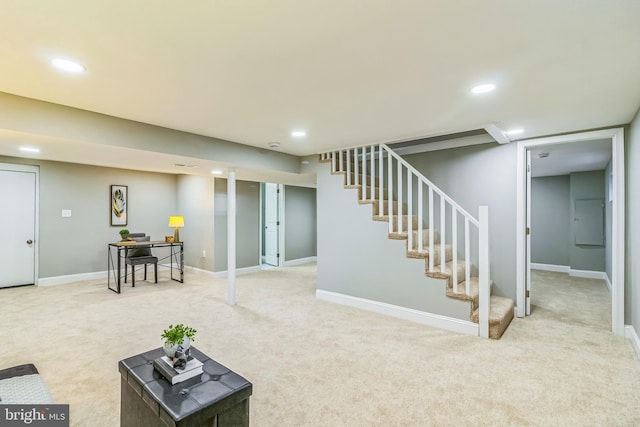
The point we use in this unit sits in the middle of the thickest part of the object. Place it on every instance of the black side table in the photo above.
(218, 397)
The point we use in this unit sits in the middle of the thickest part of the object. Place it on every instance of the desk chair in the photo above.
(140, 255)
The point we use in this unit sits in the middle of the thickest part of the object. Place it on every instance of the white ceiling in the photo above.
(348, 73)
(564, 159)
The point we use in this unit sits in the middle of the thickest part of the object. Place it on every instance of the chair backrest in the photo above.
(138, 251)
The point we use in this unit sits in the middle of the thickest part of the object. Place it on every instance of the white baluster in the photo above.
(390, 191)
(341, 161)
(373, 173)
(420, 231)
(348, 167)
(399, 197)
(443, 233)
(431, 230)
(364, 173)
(409, 209)
(333, 162)
(381, 183)
(356, 171)
(467, 255)
(454, 246)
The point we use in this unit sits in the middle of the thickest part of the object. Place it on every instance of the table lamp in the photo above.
(177, 222)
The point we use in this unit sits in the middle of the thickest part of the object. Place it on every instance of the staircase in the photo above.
(449, 244)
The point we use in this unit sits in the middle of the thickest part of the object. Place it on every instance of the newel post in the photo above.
(484, 291)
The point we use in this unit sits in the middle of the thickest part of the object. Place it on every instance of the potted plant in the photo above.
(124, 234)
(178, 335)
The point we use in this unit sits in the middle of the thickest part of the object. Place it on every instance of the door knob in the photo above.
(29, 242)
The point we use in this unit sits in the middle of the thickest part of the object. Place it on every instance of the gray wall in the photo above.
(247, 224)
(585, 185)
(195, 203)
(550, 220)
(356, 258)
(300, 222)
(632, 274)
(79, 244)
(481, 175)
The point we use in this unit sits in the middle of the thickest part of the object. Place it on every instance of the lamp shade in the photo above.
(176, 221)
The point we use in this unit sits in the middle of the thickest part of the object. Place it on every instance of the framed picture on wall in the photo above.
(118, 205)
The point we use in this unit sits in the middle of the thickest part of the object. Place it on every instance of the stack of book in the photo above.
(164, 366)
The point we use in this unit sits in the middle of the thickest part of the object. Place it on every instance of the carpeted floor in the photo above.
(313, 363)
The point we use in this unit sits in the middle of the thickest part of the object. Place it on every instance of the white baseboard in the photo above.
(631, 335)
(587, 274)
(551, 267)
(96, 275)
(239, 271)
(608, 282)
(301, 261)
(70, 278)
(435, 320)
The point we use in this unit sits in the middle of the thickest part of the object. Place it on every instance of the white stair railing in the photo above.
(377, 168)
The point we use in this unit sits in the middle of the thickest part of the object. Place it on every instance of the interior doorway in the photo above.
(272, 227)
(18, 256)
(523, 247)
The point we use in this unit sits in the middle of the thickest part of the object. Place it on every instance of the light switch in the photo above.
(66, 213)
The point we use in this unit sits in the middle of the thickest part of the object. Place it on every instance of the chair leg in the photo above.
(125, 273)
(155, 271)
(145, 272)
(133, 276)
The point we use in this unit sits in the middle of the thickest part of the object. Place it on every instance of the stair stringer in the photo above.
(355, 257)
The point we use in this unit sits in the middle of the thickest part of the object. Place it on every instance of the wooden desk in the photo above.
(116, 250)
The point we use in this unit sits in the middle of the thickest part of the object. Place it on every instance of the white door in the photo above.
(17, 216)
(271, 224)
(528, 238)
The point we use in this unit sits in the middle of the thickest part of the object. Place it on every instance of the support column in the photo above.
(231, 237)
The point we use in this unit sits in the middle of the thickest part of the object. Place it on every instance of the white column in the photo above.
(484, 291)
(231, 237)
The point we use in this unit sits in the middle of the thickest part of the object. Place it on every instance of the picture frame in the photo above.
(119, 205)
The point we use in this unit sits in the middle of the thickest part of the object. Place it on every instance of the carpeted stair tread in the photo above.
(385, 207)
(448, 270)
(425, 237)
(474, 291)
(394, 222)
(448, 253)
(500, 316)
(368, 198)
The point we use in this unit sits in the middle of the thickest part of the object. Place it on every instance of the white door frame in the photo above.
(32, 169)
(618, 221)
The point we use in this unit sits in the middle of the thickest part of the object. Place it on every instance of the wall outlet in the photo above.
(66, 213)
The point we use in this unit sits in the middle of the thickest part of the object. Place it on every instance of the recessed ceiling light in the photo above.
(274, 144)
(66, 65)
(543, 155)
(305, 162)
(298, 133)
(30, 149)
(483, 88)
(514, 131)
(216, 172)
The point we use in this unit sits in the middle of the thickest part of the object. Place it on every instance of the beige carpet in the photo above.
(313, 363)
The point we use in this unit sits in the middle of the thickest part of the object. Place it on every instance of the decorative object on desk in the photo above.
(175, 336)
(177, 222)
(192, 368)
(118, 205)
(168, 239)
(124, 234)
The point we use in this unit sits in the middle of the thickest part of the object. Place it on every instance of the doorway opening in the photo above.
(616, 193)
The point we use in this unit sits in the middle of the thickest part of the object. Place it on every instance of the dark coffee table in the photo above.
(218, 397)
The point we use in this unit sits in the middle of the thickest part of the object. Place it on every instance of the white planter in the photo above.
(170, 350)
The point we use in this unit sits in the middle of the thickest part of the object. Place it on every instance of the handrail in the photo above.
(431, 184)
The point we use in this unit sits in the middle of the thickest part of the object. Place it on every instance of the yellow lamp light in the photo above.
(177, 222)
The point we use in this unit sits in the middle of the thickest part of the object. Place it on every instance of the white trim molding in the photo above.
(631, 335)
(616, 135)
(238, 271)
(550, 267)
(301, 261)
(422, 317)
(70, 278)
